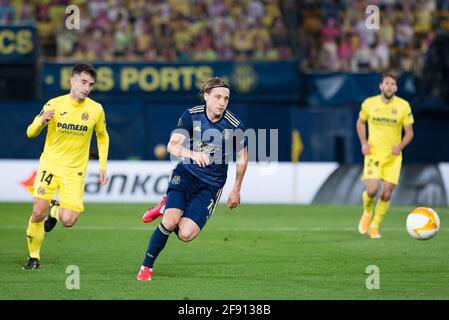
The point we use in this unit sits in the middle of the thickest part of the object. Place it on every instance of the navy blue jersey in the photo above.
(220, 140)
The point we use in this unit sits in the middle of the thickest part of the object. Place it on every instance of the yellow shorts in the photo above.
(70, 187)
(387, 169)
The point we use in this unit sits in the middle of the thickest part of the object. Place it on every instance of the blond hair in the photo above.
(211, 83)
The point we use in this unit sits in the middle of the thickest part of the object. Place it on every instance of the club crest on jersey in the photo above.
(41, 190)
(85, 116)
(394, 111)
(176, 179)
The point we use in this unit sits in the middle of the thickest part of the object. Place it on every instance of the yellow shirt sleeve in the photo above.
(363, 114)
(35, 128)
(408, 117)
(102, 140)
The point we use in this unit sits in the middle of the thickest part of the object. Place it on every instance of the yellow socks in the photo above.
(54, 212)
(35, 237)
(381, 210)
(368, 203)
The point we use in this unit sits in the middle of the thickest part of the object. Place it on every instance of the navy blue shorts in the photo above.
(196, 198)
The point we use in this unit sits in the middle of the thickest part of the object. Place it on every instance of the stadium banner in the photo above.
(340, 89)
(276, 80)
(146, 181)
(444, 170)
(17, 44)
(282, 182)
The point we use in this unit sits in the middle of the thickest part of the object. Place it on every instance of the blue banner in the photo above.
(17, 44)
(274, 80)
(340, 89)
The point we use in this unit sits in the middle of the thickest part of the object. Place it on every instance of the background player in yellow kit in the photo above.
(386, 115)
(71, 120)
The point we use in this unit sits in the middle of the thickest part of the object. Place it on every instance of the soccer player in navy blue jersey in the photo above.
(205, 140)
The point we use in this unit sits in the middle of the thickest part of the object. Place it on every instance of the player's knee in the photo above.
(39, 213)
(170, 224)
(185, 235)
(68, 222)
(385, 196)
(372, 192)
(170, 221)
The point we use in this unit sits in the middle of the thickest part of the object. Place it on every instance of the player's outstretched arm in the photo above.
(242, 164)
(40, 121)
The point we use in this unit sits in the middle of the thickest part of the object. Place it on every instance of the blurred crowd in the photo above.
(158, 30)
(327, 35)
(333, 35)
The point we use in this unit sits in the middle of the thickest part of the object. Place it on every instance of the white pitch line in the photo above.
(237, 229)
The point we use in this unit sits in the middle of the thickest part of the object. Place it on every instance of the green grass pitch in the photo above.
(275, 252)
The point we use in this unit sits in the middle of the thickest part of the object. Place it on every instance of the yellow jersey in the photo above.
(69, 133)
(385, 123)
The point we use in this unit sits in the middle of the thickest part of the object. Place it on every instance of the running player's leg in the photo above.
(44, 189)
(198, 212)
(176, 202)
(155, 212)
(71, 202)
(158, 210)
(383, 204)
(188, 229)
(371, 176)
(390, 177)
(35, 232)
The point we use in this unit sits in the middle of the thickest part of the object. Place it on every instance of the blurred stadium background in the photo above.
(301, 67)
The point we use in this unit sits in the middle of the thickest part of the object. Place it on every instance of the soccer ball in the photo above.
(423, 223)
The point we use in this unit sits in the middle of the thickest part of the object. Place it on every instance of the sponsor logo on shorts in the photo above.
(41, 190)
(85, 116)
(176, 179)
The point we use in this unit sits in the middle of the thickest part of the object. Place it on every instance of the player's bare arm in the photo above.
(361, 131)
(408, 137)
(176, 148)
(242, 164)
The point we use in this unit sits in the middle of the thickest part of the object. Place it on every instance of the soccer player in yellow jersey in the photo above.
(71, 120)
(387, 115)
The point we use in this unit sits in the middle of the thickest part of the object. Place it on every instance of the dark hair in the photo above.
(211, 83)
(388, 75)
(84, 67)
